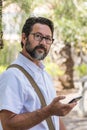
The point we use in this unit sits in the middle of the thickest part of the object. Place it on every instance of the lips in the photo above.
(41, 48)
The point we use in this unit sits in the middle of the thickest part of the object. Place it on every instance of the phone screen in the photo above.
(75, 99)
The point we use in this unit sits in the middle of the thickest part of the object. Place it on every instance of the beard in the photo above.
(34, 52)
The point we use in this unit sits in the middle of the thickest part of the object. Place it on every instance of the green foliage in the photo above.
(3, 68)
(52, 68)
(71, 23)
(81, 70)
(9, 52)
(25, 5)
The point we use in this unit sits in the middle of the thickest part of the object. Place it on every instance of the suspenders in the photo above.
(35, 86)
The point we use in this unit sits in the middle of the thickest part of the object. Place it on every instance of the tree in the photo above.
(1, 33)
(71, 27)
(24, 8)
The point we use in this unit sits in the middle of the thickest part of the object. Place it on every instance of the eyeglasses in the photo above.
(39, 37)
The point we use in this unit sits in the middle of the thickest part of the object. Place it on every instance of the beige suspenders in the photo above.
(41, 97)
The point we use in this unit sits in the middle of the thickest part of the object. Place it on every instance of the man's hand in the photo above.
(12, 121)
(60, 109)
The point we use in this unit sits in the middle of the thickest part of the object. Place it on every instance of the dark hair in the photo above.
(27, 28)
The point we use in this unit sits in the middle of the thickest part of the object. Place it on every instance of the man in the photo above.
(20, 107)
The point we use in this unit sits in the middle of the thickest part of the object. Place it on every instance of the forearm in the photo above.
(11, 121)
(62, 125)
(26, 120)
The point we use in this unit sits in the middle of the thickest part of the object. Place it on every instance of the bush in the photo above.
(81, 70)
(52, 68)
(9, 52)
(2, 68)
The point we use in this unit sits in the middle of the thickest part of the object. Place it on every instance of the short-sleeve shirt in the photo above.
(17, 94)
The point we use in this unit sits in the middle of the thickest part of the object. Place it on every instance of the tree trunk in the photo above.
(63, 58)
(67, 66)
(1, 33)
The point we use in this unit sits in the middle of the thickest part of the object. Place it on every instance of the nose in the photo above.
(43, 41)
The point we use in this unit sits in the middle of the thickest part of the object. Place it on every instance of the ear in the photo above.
(24, 38)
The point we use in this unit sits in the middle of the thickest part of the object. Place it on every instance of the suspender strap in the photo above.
(34, 85)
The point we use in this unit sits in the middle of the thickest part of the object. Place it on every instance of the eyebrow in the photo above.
(44, 35)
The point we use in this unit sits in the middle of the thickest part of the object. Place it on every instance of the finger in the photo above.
(59, 98)
(73, 104)
(68, 107)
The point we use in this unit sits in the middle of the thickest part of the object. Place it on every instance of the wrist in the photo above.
(45, 112)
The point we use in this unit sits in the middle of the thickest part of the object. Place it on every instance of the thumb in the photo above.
(57, 99)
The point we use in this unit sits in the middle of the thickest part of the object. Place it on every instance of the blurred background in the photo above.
(67, 60)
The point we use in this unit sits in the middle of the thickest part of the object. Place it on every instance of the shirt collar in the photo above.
(29, 63)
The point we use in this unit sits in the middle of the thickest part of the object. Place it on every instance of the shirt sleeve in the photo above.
(11, 92)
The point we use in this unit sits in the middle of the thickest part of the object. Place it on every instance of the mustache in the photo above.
(40, 47)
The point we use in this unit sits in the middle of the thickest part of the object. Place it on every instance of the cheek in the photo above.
(48, 48)
(30, 45)
(32, 42)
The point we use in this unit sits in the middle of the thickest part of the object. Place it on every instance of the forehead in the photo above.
(42, 28)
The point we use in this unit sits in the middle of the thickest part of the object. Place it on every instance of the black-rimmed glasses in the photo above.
(39, 37)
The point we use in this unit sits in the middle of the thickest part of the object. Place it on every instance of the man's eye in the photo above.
(37, 35)
(48, 38)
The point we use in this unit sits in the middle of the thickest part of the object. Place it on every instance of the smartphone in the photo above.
(75, 99)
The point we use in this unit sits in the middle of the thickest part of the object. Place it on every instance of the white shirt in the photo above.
(17, 94)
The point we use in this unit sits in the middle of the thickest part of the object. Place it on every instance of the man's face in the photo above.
(38, 41)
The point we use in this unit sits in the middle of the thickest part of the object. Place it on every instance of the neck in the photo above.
(37, 62)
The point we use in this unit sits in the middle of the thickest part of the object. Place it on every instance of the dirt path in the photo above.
(73, 121)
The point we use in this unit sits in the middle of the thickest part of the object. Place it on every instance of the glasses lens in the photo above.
(49, 40)
(39, 37)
